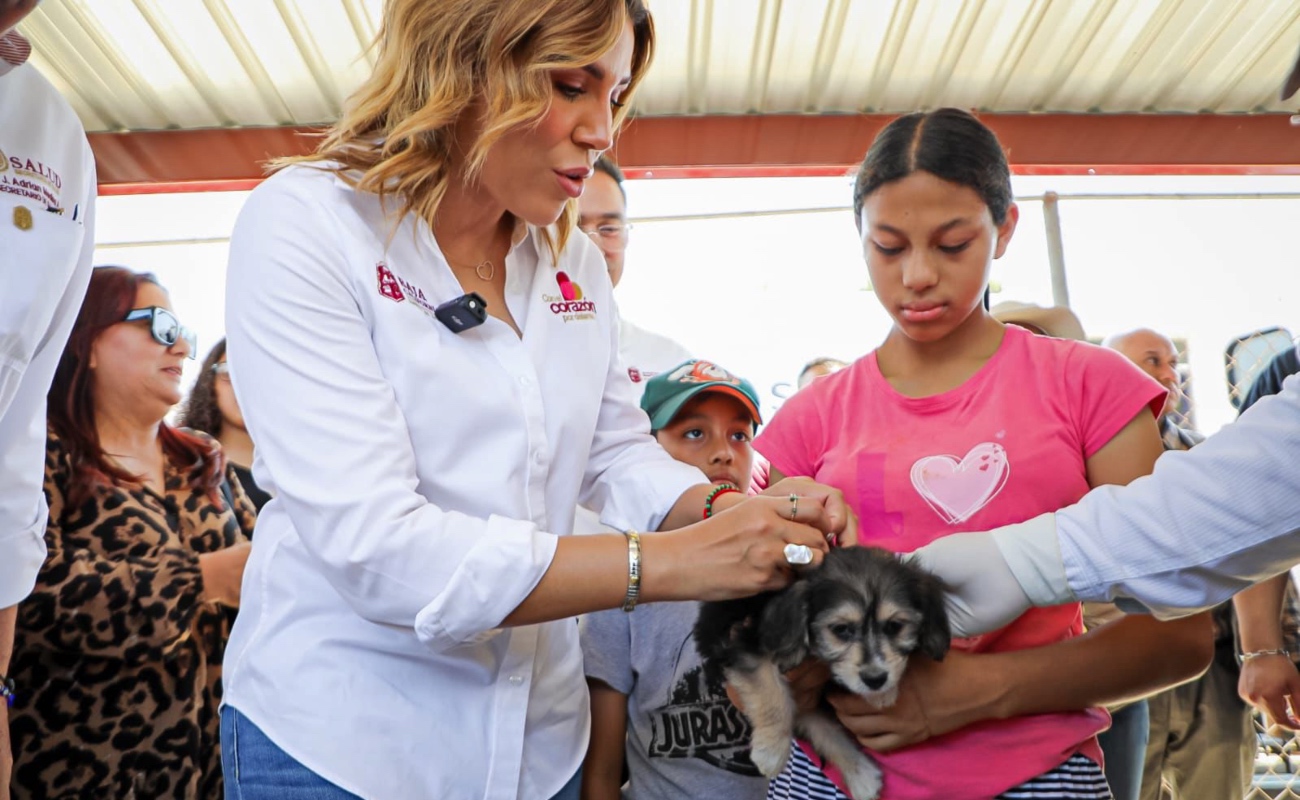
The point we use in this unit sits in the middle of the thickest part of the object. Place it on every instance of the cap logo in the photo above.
(702, 372)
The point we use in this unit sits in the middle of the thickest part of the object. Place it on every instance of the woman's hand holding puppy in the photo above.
(842, 522)
(741, 550)
(934, 698)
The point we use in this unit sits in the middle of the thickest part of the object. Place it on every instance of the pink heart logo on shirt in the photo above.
(957, 488)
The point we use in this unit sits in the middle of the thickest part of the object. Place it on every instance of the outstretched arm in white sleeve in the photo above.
(1205, 525)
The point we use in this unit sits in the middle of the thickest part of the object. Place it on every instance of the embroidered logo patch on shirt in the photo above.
(388, 285)
(32, 180)
(570, 304)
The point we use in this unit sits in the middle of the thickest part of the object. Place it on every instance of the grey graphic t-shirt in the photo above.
(685, 738)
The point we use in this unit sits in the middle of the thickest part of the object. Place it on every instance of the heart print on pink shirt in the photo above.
(957, 488)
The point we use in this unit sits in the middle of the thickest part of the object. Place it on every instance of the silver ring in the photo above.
(798, 554)
(794, 507)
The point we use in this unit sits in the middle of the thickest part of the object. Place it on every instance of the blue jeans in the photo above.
(1125, 748)
(255, 768)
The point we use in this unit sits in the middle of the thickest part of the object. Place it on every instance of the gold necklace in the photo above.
(485, 269)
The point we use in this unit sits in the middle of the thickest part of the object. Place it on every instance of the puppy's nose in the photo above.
(874, 680)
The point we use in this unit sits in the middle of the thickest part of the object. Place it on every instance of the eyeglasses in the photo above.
(165, 329)
(613, 233)
(222, 369)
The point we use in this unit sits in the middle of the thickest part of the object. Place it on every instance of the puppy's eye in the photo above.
(892, 628)
(842, 630)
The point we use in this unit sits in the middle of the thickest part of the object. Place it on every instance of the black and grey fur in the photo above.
(863, 612)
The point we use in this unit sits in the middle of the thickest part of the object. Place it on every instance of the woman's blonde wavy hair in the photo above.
(435, 58)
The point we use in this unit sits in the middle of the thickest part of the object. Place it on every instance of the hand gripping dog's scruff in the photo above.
(863, 613)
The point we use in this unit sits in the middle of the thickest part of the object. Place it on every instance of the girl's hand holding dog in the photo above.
(934, 698)
(740, 551)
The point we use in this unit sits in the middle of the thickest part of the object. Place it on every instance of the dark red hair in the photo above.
(71, 405)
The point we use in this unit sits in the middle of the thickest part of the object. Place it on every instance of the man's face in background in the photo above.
(602, 204)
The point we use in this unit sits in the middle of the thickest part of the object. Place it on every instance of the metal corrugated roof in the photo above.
(159, 64)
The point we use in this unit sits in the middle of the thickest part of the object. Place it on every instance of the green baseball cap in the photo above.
(667, 392)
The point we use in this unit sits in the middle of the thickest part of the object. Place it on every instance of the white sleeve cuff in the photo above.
(491, 581)
(640, 497)
(21, 557)
(1033, 552)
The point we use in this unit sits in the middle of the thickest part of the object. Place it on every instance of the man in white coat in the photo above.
(47, 195)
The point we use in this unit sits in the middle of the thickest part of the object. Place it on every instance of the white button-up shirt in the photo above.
(1204, 525)
(645, 353)
(420, 479)
(47, 195)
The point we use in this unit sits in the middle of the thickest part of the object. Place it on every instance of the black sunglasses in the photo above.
(165, 329)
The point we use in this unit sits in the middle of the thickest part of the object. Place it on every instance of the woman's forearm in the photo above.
(689, 508)
(1259, 614)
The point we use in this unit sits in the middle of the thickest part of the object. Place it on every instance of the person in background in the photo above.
(211, 407)
(120, 643)
(818, 368)
(1269, 381)
(1202, 735)
(956, 420)
(653, 712)
(1056, 321)
(602, 215)
(47, 240)
(425, 353)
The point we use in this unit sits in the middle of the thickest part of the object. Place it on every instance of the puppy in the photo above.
(863, 612)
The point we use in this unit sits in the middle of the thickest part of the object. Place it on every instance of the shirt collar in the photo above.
(14, 50)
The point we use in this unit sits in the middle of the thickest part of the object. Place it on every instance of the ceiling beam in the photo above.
(1264, 144)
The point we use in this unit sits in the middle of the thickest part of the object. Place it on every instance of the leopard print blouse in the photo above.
(118, 653)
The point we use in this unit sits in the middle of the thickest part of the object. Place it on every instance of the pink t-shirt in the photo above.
(1007, 445)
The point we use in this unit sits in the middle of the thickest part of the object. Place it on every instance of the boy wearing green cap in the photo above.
(651, 707)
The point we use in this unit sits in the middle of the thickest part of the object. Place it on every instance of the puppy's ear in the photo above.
(935, 633)
(783, 630)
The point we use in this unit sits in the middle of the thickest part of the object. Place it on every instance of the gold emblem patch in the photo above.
(23, 218)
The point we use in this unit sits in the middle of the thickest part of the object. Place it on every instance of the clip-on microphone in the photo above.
(462, 313)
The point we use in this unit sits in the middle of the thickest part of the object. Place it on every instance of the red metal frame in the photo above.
(764, 146)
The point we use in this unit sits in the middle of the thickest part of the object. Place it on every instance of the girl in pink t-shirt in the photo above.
(956, 423)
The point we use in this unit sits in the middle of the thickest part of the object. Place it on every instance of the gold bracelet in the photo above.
(633, 570)
(1244, 657)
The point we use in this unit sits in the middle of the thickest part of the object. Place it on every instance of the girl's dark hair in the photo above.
(70, 403)
(200, 411)
(948, 143)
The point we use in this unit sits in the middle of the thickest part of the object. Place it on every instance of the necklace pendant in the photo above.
(485, 270)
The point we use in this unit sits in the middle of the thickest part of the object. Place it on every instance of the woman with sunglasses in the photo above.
(118, 651)
(211, 407)
(408, 629)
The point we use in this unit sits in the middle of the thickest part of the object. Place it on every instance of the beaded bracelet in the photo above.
(633, 570)
(1259, 653)
(7, 690)
(718, 491)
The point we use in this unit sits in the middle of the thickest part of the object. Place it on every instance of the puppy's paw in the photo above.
(769, 753)
(862, 777)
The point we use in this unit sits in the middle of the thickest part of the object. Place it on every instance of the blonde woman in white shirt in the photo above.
(405, 629)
